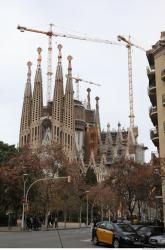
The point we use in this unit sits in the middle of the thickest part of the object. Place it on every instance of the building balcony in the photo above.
(151, 74)
(150, 58)
(154, 137)
(163, 74)
(152, 93)
(153, 115)
(80, 124)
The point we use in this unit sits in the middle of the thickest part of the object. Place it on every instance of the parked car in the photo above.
(135, 226)
(116, 235)
(147, 231)
(157, 241)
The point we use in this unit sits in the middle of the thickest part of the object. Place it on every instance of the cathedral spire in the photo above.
(28, 83)
(26, 111)
(38, 77)
(97, 118)
(39, 58)
(119, 137)
(108, 127)
(59, 73)
(57, 108)
(108, 139)
(68, 114)
(59, 53)
(29, 64)
(37, 103)
(69, 65)
(88, 99)
(69, 84)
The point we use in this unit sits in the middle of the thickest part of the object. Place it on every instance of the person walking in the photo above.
(56, 222)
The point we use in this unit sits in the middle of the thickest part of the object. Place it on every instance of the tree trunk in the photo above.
(65, 216)
(139, 210)
(80, 214)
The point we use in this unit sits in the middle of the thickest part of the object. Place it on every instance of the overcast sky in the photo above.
(100, 63)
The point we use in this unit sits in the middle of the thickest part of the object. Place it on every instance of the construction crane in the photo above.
(49, 69)
(77, 80)
(50, 33)
(129, 45)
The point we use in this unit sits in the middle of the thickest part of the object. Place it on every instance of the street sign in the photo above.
(23, 200)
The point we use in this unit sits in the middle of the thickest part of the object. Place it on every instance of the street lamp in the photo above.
(24, 200)
(87, 207)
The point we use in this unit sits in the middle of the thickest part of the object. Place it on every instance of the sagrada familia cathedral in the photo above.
(73, 124)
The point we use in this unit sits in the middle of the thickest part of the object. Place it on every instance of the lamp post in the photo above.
(87, 207)
(23, 200)
(25, 193)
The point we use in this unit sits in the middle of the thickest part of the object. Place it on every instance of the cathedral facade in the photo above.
(54, 123)
(73, 124)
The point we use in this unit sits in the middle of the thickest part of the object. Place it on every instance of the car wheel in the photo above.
(95, 240)
(116, 243)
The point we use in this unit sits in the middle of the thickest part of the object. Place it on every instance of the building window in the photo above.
(61, 137)
(164, 127)
(163, 99)
(58, 131)
(32, 134)
(35, 133)
(78, 137)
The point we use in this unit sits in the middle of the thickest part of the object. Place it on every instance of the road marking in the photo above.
(87, 240)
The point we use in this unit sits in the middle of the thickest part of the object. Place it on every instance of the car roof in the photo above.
(152, 226)
(158, 236)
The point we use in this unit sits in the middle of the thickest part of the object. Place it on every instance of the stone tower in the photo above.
(68, 115)
(26, 110)
(57, 109)
(37, 106)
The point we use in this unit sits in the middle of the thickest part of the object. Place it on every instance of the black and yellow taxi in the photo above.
(117, 234)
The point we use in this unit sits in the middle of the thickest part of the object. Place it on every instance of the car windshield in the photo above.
(125, 228)
(145, 229)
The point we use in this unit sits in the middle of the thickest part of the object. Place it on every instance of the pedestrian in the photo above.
(49, 220)
(31, 222)
(56, 222)
(28, 223)
(94, 225)
(35, 223)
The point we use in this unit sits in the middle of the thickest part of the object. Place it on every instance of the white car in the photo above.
(158, 240)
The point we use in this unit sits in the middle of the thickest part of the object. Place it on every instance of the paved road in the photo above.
(70, 238)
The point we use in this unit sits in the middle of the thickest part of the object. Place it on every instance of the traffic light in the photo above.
(69, 178)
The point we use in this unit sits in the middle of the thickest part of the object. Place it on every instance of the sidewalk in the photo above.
(61, 225)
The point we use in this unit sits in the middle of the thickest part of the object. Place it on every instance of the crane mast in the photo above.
(49, 69)
(130, 83)
(129, 45)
